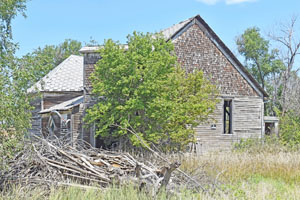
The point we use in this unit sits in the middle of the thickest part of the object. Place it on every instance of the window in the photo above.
(227, 117)
(51, 126)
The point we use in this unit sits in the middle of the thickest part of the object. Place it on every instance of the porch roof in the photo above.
(64, 105)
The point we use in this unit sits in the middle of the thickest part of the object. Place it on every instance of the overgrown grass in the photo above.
(238, 166)
(269, 159)
(256, 187)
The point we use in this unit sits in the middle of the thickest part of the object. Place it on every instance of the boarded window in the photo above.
(227, 117)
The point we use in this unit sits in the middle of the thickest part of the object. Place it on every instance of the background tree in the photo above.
(288, 39)
(262, 62)
(144, 90)
(278, 71)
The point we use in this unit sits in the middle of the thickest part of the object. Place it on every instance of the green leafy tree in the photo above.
(14, 103)
(263, 63)
(260, 60)
(142, 89)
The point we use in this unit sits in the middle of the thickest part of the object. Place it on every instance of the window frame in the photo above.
(230, 121)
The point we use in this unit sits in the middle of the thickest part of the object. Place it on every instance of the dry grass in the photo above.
(238, 166)
(244, 175)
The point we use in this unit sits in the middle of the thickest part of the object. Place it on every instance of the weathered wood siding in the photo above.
(77, 123)
(196, 51)
(246, 123)
(248, 117)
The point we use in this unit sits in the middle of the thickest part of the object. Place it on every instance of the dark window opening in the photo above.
(269, 128)
(227, 116)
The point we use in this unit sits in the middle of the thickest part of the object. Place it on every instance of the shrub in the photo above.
(289, 129)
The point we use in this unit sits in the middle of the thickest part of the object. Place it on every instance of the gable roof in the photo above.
(67, 76)
(174, 31)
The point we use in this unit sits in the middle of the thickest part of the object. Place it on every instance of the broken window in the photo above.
(51, 126)
(227, 116)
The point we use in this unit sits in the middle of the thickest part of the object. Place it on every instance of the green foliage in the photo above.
(260, 60)
(263, 63)
(143, 89)
(289, 129)
(289, 140)
(14, 115)
(11, 144)
(9, 9)
(14, 106)
(42, 60)
(271, 144)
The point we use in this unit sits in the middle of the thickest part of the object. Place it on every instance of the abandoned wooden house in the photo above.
(239, 114)
(58, 110)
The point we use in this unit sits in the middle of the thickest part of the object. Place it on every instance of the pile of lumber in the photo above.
(49, 162)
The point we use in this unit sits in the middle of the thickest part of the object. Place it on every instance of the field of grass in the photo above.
(245, 175)
(260, 174)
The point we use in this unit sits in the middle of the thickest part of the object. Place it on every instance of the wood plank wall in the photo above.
(246, 123)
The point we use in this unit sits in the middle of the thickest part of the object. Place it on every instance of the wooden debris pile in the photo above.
(45, 162)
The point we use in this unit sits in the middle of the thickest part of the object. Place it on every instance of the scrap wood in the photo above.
(162, 158)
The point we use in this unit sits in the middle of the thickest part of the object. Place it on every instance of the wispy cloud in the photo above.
(209, 2)
(237, 1)
(228, 2)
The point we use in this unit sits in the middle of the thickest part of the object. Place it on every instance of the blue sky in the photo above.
(52, 21)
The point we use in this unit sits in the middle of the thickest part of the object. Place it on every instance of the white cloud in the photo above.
(237, 1)
(209, 2)
(228, 2)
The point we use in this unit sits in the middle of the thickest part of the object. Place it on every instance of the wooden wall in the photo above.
(195, 50)
(77, 123)
(247, 113)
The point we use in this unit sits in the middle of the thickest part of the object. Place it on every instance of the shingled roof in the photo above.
(67, 76)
